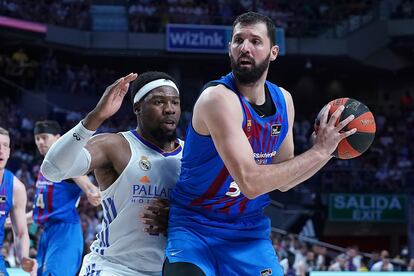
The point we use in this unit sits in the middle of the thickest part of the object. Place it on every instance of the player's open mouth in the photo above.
(169, 123)
(245, 62)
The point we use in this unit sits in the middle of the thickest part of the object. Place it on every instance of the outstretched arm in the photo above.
(68, 157)
(237, 154)
(19, 225)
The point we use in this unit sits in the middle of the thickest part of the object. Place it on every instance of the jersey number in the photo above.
(40, 202)
(234, 190)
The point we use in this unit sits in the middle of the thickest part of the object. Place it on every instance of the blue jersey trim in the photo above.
(176, 151)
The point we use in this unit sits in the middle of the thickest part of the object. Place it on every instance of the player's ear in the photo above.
(274, 52)
(137, 108)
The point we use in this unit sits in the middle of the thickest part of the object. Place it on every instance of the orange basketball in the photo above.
(364, 122)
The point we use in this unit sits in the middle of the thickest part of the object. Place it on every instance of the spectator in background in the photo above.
(384, 264)
(375, 257)
(339, 264)
(363, 267)
(410, 266)
(354, 259)
(308, 265)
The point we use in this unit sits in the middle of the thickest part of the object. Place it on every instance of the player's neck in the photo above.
(253, 92)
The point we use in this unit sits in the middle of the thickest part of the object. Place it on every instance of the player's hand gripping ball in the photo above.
(364, 122)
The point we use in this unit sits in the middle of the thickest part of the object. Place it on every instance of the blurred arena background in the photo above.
(57, 56)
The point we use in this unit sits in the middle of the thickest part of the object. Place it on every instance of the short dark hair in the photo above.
(145, 78)
(250, 18)
(47, 126)
(3, 131)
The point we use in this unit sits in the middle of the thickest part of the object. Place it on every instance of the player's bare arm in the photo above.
(286, 150)
(237, 154)
(111, 154)
(90, 190)
(19, 225)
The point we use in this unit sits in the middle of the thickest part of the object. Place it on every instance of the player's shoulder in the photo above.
(18, 186)
(217, 95)
(109, 142)
(286, 94)
(108, 138)
(288, 99)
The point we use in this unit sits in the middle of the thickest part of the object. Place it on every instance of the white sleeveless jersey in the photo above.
(150, 173)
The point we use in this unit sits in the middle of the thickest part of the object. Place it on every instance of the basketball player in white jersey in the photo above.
(132, 168)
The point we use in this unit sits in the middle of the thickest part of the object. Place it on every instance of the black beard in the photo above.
(246, 76)
(162, 136)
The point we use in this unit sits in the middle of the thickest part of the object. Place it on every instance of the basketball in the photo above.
(364, 122)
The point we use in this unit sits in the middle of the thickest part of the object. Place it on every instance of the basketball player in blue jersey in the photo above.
(133, 168)
(55, 206)
(239, 147)
(13, 200)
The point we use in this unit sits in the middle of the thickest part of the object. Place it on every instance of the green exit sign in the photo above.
(367, 207)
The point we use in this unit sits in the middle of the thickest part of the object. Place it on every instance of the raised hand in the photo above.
(329, 133)
(109, 103)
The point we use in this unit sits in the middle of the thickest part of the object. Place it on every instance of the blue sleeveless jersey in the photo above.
(6, 200)
(55, 201)
(206, 192)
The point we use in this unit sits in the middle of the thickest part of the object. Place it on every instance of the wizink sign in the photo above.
(204, 38)
(367, 207)
(197, 38)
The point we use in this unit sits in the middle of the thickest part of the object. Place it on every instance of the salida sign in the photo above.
(367, 207)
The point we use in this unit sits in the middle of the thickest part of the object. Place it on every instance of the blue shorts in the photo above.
(217, 256)
(3, 268)
(60, 249)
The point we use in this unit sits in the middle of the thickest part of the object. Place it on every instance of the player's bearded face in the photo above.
(160, 114)
(248, 74)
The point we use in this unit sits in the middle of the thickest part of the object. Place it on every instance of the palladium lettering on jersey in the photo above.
(144, 193)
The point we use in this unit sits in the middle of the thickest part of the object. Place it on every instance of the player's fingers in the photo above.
(154, 208)
(118, 81)
(150, 221)
(343, 123)
(324, 117)
(151, 216)
(160, 202)
(130, 77)
(155, 230)
(347, 133)
(335, 116)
